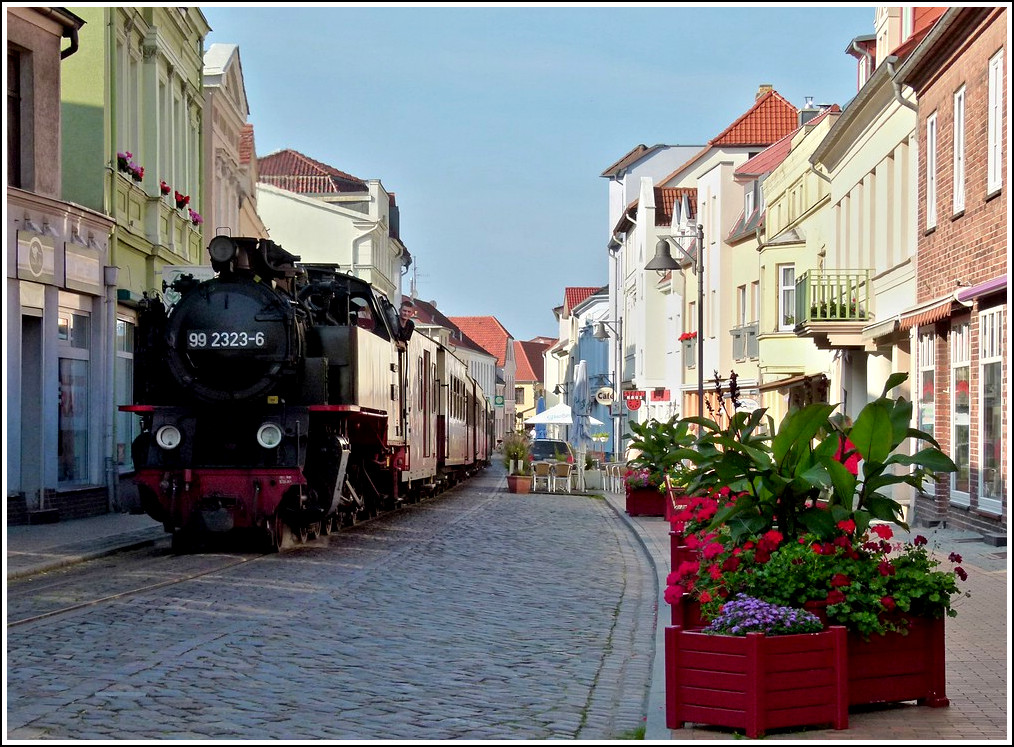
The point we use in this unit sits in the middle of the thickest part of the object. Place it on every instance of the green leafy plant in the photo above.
(659, 448)
(802, 513)
(805, 478)
(515, 453)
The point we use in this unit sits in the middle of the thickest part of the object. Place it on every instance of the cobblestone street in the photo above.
(479, 614)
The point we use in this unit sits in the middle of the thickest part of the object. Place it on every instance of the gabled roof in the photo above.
(487, 332)
(530, 363)
(767, 160)
(575, 295)
(427, 315)
(769, 119)
(290, 170)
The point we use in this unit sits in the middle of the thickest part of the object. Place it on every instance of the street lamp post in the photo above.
(663, 262)
(601, 331)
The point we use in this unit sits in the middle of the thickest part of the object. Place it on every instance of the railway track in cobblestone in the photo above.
(82, 588)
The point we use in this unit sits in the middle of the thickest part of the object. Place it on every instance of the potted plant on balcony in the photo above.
(515, 459)
(808, 527)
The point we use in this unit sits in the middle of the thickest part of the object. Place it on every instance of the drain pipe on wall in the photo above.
(898, 96)
(110, 277)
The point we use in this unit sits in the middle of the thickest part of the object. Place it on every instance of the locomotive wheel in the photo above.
(325, 525)
(281, 534)
(302, 533)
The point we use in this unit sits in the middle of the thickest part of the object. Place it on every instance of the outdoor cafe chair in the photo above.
(542, 475)
(561, 476)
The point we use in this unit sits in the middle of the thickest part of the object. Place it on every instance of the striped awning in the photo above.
(928, 313)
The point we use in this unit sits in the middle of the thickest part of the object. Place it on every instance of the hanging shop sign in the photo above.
(633, 398)
(605, 395)
(660, 395)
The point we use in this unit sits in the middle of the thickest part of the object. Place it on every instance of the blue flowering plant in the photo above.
(743, 614)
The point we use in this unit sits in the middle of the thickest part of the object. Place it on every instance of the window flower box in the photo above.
(756, 682)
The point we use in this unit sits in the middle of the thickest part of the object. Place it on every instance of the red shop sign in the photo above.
(633, 398)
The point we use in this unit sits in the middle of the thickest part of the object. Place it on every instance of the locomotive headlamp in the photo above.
(222, 249)
(168, 437)
(269, 435)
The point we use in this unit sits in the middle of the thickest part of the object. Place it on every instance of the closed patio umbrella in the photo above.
(580, 435)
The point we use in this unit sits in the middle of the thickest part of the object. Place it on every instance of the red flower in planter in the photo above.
(163, 187)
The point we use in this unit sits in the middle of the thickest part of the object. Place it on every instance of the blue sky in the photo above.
(492, 124)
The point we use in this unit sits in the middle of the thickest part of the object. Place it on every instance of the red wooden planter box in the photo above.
(755, 682)
(645, 502)
(894, 668)
(686, 613)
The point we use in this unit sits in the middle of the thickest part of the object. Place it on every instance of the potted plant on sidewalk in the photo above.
(810, 527)
(656, 446)
(757, 666)
(515, 458)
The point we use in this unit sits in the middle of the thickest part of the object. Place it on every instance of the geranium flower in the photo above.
(882, 530)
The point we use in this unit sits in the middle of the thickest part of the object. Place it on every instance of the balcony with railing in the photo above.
(172, 232)
(833, 306)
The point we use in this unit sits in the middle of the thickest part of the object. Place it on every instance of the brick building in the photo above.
(959, 327)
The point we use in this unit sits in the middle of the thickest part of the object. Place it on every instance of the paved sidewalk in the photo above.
(978, 653)
(36, 548)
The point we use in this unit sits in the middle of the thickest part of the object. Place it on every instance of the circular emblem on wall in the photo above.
(35, 256)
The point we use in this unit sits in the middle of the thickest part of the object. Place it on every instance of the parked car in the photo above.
(550, 448)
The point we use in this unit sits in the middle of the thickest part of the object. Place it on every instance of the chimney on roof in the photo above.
(809, 110)
(764, 88)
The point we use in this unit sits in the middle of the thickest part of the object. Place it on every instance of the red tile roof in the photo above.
(769, 119)
(768, 159)
(487, 332)
(530, 363)
(573, 296)
(666, 197)
(427, 315)
(291, 170)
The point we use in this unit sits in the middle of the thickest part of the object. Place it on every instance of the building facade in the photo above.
(59, 290)
(959, 328)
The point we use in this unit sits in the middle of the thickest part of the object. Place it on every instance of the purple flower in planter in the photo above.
(744, 614)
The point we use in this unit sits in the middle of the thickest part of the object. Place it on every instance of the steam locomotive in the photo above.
(286, 399)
